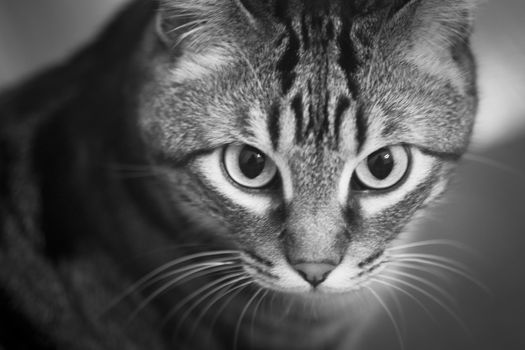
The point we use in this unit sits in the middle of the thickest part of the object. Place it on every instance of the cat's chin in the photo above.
(309, 292)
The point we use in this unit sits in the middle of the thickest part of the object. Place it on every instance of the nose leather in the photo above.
(314, 273)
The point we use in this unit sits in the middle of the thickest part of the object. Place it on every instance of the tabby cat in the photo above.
(227, 174)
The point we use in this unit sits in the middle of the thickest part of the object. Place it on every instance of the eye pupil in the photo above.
(381, 164)
(251, 162)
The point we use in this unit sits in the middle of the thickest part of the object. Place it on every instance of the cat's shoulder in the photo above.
(45, 303)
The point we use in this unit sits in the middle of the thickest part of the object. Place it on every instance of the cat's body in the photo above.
(105, 171)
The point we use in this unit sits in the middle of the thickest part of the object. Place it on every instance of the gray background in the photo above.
(484, 209)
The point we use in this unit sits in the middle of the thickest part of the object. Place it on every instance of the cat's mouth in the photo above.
(344, 278)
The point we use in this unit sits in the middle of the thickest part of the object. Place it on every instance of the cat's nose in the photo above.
(314, 273)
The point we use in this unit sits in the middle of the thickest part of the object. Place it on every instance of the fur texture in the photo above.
(111, 166)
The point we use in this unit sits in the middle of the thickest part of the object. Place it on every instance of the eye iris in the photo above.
(381, 164)
(251, 162)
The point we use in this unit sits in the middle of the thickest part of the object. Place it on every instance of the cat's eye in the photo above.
(383, 169)
(249, 167)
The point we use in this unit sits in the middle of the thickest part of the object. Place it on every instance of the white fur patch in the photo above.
(341, 277)
(437, 65)
(194, 66)
(258, 128)
(290, 279)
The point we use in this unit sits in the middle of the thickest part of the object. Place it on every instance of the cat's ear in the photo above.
(203, 35)
(199, 22)
(434, 35)
(437, 24)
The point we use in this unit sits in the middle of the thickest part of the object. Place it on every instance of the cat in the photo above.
(227, 174)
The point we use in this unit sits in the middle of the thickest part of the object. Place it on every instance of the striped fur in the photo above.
(112, 168)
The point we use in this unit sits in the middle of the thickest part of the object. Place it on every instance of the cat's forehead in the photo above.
(317, 66)
(315, 8)
(318, 76)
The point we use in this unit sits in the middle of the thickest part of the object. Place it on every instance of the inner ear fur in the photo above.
(437, 24)
(434, 35)
(200, 23)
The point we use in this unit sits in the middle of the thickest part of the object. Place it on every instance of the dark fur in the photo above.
(73, 121)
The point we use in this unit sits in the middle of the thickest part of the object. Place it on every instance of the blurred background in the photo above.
(484, 209)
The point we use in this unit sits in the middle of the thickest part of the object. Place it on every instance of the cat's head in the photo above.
(309, 133)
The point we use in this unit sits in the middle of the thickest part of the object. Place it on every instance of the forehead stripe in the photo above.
(361, 124)
(348, 60)
(305, 33)
(274, 124)
(323, 128)
(297, 107)
(290, 58)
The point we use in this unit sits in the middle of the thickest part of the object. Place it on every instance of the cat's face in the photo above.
(310, 135)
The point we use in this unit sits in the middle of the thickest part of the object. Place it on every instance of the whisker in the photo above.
(238, 277)
(164, 267)
(192, 267)
(407, 293)
(186, 276)
(241, 316)
(433, 257)
(390, 315)
(434, 299)
(151, 278)
(433, 242)
(426, 269)
(188, 298)
(400, 312)
(426, 282)
(444, 267)
(234, 292)
(217, 263)
(254, 314)
(228, 290)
